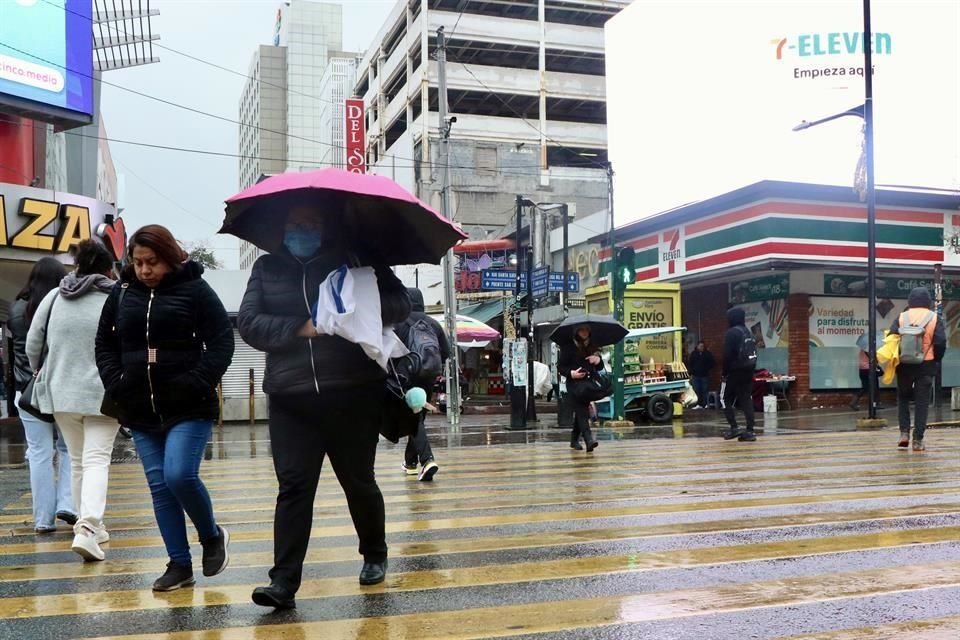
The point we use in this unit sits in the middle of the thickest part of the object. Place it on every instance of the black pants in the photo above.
(418, 446)
(739, 388)
(914, 380)
(343, 425)
(865, 386)
(581, 423)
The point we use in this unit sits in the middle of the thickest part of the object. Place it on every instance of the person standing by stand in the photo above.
(50, 483)
(418, 446)
(739, 362)
(701, 364)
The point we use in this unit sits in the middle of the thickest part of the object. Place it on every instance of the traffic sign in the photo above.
(501, 280)
(573, 281)
(541, 281)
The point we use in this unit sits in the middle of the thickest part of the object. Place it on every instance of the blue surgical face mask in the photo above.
(302, 242)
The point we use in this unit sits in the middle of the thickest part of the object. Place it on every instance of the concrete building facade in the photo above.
(526, 84)
(336, 86)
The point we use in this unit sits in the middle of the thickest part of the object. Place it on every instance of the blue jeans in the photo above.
(171, 462)
(49, 484)
(701, 385)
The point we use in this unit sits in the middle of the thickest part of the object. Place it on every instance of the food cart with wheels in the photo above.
(650, 388)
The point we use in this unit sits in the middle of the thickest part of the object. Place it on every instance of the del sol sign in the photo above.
(37, 221)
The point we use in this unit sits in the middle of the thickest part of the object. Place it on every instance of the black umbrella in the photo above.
(604, 330)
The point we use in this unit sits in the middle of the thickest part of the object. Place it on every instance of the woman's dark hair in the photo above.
(584, 348)
(44, 277)
(92, 257)
(159, 239)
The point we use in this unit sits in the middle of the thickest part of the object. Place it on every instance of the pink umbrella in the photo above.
(378, 215)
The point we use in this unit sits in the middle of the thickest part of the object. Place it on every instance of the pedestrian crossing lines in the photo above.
(832, 536)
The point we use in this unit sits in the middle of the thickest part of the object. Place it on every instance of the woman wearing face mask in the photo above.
(324, 394)
(163, 344)
(577, 360)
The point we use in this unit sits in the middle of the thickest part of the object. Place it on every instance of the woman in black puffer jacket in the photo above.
(163, 343)
(325, 394)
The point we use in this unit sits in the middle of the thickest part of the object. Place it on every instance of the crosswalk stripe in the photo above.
(937, 629)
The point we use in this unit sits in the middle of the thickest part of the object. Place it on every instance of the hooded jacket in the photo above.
(161, 352)
(920, 299)
(733, 341)
(280, 296)
(417, 312)
(70, 370)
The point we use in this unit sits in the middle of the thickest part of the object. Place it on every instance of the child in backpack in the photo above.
(923, 342)
(739, 363)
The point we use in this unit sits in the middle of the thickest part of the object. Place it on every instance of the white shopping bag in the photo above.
(349, 307)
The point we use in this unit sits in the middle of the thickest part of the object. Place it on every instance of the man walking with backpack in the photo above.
(739, 362)
(923, 342)
(423, 335)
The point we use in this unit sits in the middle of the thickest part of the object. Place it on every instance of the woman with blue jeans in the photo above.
(163, 343)
(49, 481)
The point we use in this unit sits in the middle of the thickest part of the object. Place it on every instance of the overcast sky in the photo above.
(186, 191)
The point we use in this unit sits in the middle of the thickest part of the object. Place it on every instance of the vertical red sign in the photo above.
(356, 137)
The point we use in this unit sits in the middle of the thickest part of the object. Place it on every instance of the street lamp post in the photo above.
(865, 111)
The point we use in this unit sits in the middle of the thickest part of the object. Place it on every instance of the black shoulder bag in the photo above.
(26, 396)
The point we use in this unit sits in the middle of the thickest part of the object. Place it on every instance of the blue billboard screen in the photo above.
(46, 55)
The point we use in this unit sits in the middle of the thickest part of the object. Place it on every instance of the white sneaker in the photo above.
(85, 544)
(102, 536)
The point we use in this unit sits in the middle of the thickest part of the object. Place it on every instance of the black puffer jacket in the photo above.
(162, 352)
(280, 295)
(18, 327)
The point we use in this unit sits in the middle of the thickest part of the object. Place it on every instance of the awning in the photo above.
(483, 311)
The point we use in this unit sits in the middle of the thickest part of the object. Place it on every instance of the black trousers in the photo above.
(343, 425)
(581, 423)
(418, 446)
(914, 381)
(739, 388)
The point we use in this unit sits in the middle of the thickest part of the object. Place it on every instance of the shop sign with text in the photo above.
(34, 222)
(887, 287)
(356, 136)
(759, 289)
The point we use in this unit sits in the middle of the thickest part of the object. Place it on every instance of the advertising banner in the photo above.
(846, 285)
(642, 313)
(767, 321)
(839, 322)
(46, 56)
(356, 136)
(760, 289)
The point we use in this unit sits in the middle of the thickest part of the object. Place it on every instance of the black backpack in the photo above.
(424, 361)
(746, 359)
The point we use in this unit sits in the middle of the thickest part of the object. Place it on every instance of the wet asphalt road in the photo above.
(815, 531)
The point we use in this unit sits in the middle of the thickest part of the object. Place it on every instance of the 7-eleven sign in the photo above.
(671, 253)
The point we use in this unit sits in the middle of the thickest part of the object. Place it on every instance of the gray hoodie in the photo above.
(69, 381)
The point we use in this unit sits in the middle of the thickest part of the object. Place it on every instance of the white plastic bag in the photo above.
(349, 307)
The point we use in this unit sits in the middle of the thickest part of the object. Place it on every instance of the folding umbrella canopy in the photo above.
(604, 330)
(470, 332)
(377, 214)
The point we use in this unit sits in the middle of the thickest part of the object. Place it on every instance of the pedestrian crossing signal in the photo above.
(626, 269)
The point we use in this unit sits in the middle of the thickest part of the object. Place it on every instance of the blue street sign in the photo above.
(541, 281)
(501, 280)
(573, 282)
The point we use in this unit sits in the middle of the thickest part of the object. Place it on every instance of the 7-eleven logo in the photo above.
(673, 253)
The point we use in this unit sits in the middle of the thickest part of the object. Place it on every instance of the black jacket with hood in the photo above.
(162, 351)
(418, 312)
(280, 296)
(920, 299)
(733, 341)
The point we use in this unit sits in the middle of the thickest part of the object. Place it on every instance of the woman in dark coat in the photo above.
(577, 360)
(163, 343)
(325, 394)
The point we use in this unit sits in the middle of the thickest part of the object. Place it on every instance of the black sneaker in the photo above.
(215, 556)
(274, 596)
(428, 470)
(66, 516)
(176, 577)
(732, 434)
(748, 436)
(373, 573)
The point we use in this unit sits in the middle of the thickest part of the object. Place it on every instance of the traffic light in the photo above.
(624, 271)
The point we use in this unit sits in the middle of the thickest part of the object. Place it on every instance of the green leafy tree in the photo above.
(204, 256)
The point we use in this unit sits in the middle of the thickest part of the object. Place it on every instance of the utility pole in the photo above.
(618, 401)
(531, 395)
(871, 209)
(518, 398)
(453, 364)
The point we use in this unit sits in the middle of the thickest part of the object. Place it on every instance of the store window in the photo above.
(764, 302)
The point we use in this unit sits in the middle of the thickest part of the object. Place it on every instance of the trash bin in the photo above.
(769, 404)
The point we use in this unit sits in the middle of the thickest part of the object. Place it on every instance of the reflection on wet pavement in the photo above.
(665, 532)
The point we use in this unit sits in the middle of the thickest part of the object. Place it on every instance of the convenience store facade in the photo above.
(793, 255)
